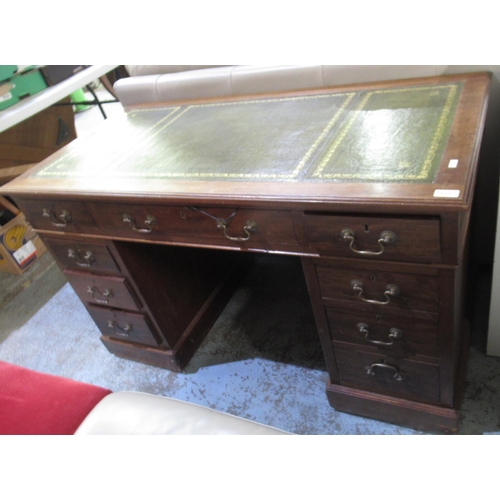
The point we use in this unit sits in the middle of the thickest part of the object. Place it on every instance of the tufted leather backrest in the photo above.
(220, 81)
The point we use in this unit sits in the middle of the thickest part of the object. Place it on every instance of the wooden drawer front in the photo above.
(386, 290)
(128, 326)
(385, 374)
(75, 254)
(414, 239)
(183, 224)
(64, 216)
(399, 334)
(110, 291)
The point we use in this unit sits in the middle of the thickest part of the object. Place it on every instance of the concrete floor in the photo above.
(21, 296)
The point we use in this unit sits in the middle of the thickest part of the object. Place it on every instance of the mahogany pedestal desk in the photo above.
(371, 185)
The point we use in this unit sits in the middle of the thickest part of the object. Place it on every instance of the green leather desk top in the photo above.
(389, 135)
(383, 135)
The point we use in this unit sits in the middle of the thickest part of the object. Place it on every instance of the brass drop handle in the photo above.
(394, 334)
(223, 224)
(125, 331)
(249, 228)
(64, 217)
(390, 291)
(106, 294)
(386, 238)
(370, 370)
(149, 222)
(85, 261)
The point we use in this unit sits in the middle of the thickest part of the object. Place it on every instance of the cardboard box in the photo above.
(20, 246)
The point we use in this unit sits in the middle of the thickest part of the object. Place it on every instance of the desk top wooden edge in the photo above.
(473, 102)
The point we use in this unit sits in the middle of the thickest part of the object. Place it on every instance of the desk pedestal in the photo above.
(153, 303)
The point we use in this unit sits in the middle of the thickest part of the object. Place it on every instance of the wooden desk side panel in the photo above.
(453, 327)
(320, 316)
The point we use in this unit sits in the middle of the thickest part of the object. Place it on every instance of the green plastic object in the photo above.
(24, 85)
(79, 96)
(7, 71)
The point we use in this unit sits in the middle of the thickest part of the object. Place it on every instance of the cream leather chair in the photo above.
(138, 413)
(150, 84)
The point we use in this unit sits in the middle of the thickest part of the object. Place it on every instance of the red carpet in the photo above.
(36, 403)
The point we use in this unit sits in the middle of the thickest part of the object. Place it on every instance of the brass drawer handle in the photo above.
(64, 217)
(124, 332)
(385, 366)
(249, 228)
(106, 294)
(223, 224)
(85, 261)
(149, 223)
(394, 334)
(390, 291)
(386, 238)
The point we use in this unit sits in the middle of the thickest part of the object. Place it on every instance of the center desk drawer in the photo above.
(230, 226)
(375, 237)
(379, 290)
(110, 291)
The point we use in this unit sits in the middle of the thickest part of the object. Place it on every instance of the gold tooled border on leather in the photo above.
(423, 174)
(59, 168)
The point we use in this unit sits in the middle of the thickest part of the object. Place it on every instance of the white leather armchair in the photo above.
(138, 413)
(152, 84)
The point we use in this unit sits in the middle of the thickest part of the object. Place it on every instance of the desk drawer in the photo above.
(400, 335)
(84, 255)
(186, 224)
(388, 375)
(401, 239)
(379, 290)
(64, 216)
(110, 291)
(123, 325)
